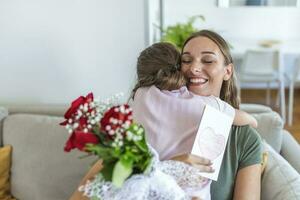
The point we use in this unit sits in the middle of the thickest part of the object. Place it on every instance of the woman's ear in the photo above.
(228, 72)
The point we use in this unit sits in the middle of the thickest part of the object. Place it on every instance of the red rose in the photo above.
(79, 140)
(75, 105)
(115, 117)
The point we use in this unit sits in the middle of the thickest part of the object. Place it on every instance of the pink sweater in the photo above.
(171, 118)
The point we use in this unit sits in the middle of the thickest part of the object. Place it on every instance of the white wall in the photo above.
(240, 23)
(236, 22)
(52, 51)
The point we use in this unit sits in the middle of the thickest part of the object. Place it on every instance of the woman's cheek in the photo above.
(216, 72)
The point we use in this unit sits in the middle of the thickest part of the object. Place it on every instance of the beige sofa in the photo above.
(42, 171)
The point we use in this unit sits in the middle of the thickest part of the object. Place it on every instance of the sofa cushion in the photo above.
(280, 180)
(41, 169)
(270, 126)
(5, 160)
(290, 150)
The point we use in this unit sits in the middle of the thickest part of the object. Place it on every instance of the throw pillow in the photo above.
(280, 180)
(5, 160)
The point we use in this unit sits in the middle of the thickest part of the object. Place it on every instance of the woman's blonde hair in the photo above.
(229, 90)
(159, 65)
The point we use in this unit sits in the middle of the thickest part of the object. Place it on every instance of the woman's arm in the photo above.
(242, 118)
(247, 184)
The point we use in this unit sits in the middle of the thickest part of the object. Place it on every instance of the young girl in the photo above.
(170, 113)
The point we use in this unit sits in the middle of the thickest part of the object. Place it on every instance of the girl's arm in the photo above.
(201, 163)
(242, 118)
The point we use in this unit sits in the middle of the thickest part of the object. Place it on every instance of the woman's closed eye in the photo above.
(186, 61)
(207, 61)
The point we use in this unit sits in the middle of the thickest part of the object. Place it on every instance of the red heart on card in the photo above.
(211, 144)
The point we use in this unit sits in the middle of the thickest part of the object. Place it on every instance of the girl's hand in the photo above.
(203, 164)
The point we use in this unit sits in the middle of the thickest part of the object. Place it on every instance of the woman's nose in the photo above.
(196, 68)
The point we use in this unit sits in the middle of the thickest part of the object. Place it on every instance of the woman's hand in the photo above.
(203, 164)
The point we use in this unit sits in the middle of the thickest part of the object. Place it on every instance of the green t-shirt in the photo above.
(244, 148)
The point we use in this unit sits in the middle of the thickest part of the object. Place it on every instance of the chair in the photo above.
(264, 66)
(291, 80)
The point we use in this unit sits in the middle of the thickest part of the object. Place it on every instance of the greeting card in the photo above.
(211, 138)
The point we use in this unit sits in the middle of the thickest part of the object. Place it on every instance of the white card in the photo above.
(211, 138)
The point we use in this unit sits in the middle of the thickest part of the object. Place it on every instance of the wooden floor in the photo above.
(259, 96)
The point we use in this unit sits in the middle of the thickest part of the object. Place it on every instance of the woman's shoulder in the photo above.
(244, 132)
(248, 145)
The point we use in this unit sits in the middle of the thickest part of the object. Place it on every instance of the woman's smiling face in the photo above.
(203, 65)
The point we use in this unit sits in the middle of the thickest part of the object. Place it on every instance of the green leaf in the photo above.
(105, 153)
(121, 172)
(107, 170)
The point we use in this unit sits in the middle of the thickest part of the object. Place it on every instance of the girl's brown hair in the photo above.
(229, 90)
(159, 65)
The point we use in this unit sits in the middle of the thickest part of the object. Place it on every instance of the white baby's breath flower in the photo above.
(108, 127)
(120, 143)
(97, 118)
(75, 125)
(92, 104)
(122, 109)
(85, 130)
(125, 126)
(129, 135)
(115, 121)
(96, 100)
(68, 126)
(85, 107)
(79, 112)
(111, 132)
(140, 131)
(135, 138)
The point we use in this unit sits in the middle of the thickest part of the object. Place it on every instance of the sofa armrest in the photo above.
(290, 150)
(269, 123)
(270, 126)
(255, 108)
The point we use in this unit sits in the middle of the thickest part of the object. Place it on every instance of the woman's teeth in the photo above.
(198, 80)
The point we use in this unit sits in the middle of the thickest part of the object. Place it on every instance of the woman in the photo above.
(207, 64)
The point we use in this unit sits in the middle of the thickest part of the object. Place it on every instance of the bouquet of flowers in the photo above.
(131, 168)
(108, 131)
